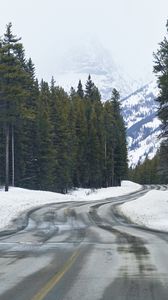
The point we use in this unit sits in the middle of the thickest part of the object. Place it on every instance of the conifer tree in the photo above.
(61, 135)
(26, 134)
(161, 69)
(94, 152)
(108, 145)
(89, 88)
(12, 80)
(81, 133)
(80, 91)
(162, 169)
(120, 149)
(72, 92)
(45, 151)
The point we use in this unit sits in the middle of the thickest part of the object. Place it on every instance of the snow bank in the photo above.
(103, 193)
(19, 200)
(150, 210)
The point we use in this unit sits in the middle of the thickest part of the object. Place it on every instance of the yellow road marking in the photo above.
(56, 278)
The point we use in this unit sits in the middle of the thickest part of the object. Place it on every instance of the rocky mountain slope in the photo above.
(143, 127)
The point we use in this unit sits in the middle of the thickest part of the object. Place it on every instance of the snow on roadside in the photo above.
(19, 200)
(103, 193)
(150, 211)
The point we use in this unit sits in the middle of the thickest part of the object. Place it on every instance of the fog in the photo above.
(129, 29)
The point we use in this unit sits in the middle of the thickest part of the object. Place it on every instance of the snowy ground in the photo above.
(18, 200)
(88, 194)
(150, 210)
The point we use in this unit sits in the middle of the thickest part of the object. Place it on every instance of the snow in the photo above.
(104, 193)
(19, 200)
(154, 124)
(147, 147)
(150, 210)
(143, 126)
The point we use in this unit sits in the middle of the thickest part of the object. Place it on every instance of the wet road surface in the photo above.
(84, 250)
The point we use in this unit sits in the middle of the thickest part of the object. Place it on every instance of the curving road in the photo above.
(84, 251)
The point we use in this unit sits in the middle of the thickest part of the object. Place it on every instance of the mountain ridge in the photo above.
(143, 126)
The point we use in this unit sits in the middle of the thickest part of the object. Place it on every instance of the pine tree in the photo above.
(161, 69)
(108, 145)
(120, 148)
(163, 162)
(26, 144)
(45, 151)
(80, 178)
(12, 81)
(89, 88)
(72, 92)
(80, 91)
(61, 138)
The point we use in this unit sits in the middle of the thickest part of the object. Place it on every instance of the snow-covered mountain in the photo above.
(143, 127)
(91, 58)
(139, 108)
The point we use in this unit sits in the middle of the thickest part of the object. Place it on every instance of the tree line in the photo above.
(52, 140)
(152, 171)
(146, 172)
(156, 170)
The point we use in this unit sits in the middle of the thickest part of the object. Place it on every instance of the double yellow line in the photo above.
(56, 278)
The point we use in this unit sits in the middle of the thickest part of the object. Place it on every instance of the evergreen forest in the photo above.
(156, 170)
(51, 139)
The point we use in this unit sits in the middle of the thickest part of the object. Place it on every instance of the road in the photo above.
(84, 250)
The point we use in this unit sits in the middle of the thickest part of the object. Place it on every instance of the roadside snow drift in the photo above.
(18, 200)
(150, 210)
(103, 193)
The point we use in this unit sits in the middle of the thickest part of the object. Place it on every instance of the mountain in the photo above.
(91, 58)
(143, 127)
(139, 108)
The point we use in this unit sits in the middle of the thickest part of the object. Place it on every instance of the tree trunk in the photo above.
(13, 157)
(112, 167)
(105, 162)
(7, 159)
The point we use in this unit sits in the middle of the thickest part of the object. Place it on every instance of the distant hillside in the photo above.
(143, 127)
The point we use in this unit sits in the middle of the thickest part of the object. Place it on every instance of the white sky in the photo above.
(130, 29)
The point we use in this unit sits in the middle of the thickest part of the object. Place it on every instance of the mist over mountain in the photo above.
(91, 58)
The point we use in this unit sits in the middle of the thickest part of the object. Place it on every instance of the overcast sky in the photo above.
(129, 29)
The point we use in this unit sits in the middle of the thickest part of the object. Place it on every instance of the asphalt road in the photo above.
(84, 251)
